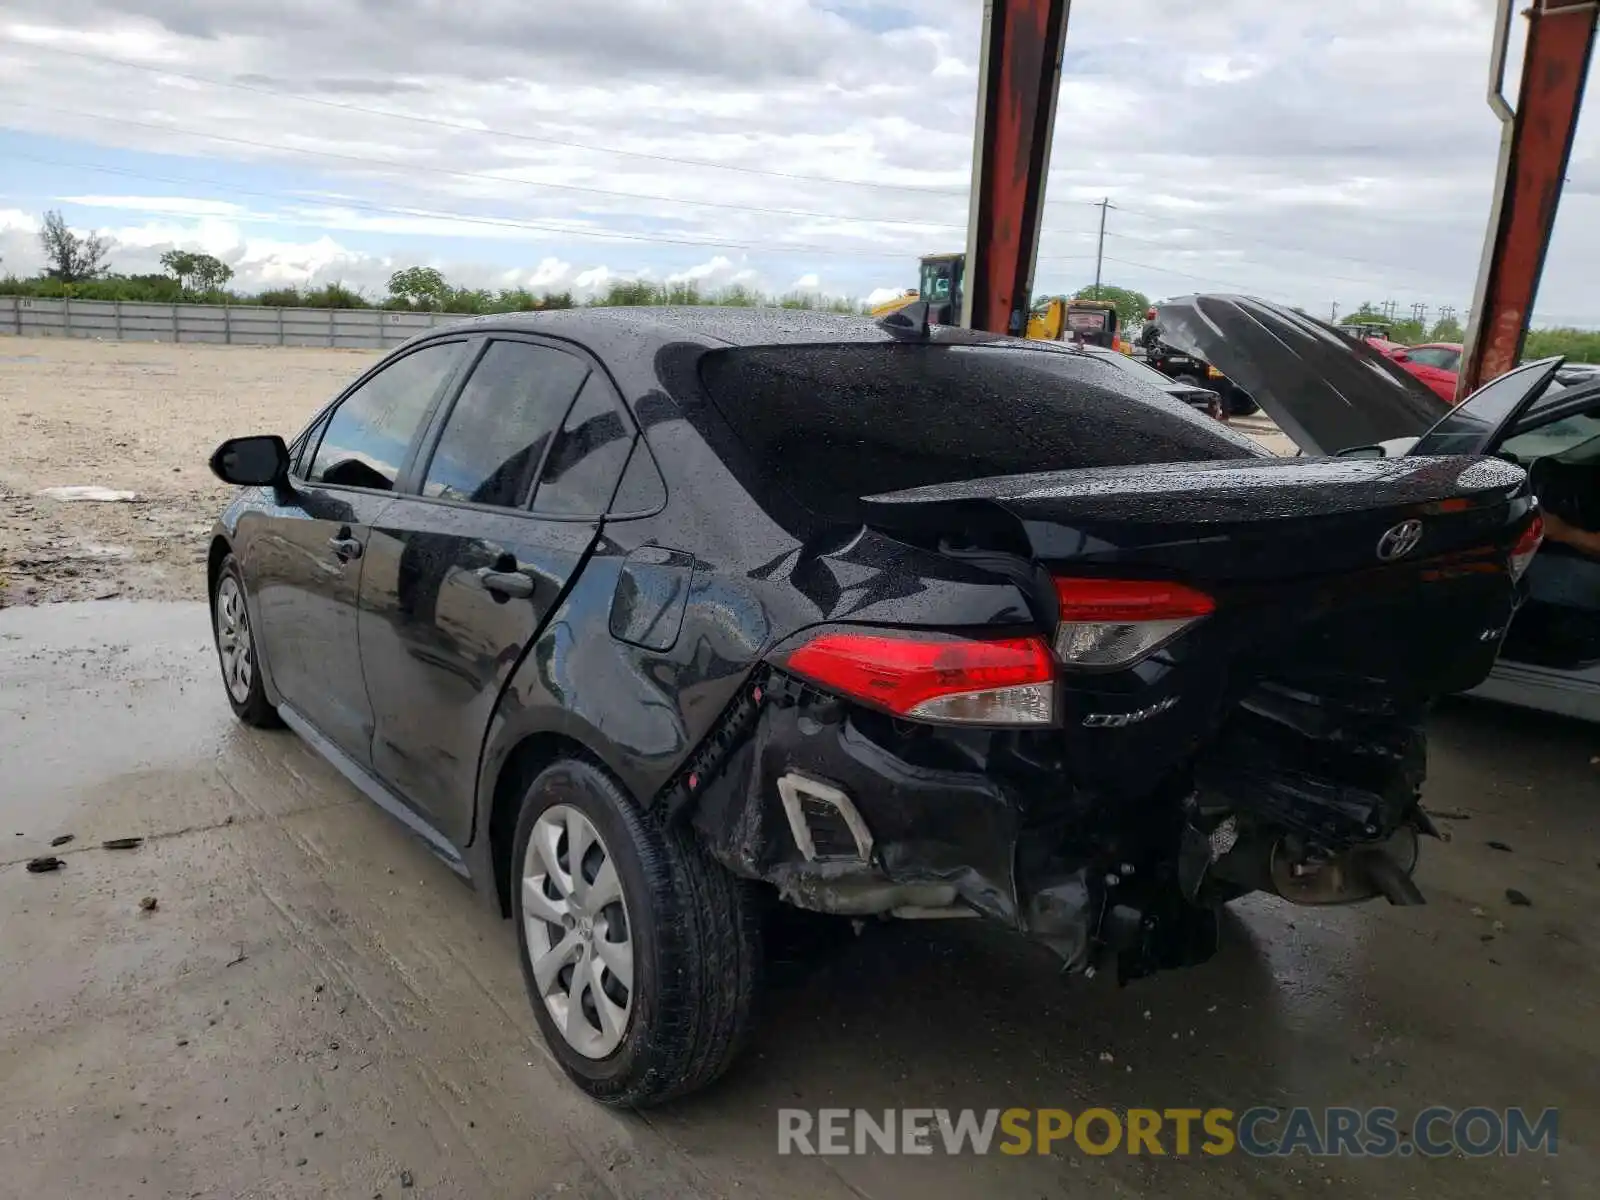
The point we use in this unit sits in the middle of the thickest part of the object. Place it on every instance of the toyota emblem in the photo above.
(1400, 540)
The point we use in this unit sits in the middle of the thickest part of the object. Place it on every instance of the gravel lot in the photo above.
(140, 417)
(144, 417)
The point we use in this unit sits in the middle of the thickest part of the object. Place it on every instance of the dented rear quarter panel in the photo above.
(757, 577)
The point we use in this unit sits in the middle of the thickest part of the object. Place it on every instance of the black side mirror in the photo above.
(1373, 451)
(260, 461)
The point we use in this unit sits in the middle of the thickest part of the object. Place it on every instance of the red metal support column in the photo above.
(1019, 76)
(1535, 144)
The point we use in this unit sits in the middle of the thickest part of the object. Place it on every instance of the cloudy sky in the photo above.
(1308, 152)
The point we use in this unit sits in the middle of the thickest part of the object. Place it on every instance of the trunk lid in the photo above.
(1327, 391)
(1229, 521)
(1318, 581)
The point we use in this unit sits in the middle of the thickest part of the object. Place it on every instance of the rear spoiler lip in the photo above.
(1081, 495)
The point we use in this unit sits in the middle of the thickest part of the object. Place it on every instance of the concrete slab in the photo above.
(316, 1006)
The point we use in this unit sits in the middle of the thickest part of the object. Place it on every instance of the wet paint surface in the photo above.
(372, 1000)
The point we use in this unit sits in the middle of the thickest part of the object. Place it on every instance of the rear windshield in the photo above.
(830, 424)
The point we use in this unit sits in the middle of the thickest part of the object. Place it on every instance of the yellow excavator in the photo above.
(1052, 319)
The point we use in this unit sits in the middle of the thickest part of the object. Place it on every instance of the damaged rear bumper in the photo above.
(826, 803)
(847, 811)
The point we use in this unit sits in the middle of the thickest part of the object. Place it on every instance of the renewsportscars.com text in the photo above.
(1260, 1132)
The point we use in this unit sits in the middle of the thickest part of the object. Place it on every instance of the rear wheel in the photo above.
(236, 650)
(640, 953)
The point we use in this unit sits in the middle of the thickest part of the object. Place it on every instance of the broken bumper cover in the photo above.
(847, 811)
(815, 804)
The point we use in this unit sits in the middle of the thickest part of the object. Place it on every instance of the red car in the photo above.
(1435, 363)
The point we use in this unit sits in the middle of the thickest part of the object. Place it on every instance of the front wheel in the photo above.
(640, 953)
(236, 650)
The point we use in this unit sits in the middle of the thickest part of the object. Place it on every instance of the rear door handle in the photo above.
(505, 584)
(344, 548)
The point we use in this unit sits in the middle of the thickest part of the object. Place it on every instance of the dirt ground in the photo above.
(315, 1007)
(144, 417)
(140, 417)
(280, 993)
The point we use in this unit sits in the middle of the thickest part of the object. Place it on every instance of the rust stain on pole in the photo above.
(1018, 80)
(1533, 166)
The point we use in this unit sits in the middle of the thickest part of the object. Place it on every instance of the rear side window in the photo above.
(369, 434)
(584, 465)
(830, 424)
(501, 423)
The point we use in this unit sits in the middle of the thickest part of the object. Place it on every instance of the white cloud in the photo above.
(1238, 141)
(594, 279)
(882, 295)
(719, 272)
(179, 205)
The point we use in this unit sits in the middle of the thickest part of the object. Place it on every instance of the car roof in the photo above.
(646, 327)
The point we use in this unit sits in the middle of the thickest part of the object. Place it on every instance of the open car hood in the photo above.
(1327, 391)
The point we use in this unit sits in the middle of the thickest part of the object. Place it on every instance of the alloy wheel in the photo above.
(233, 639)
(579, 935)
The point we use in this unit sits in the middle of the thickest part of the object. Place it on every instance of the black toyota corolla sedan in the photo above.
(643, 618)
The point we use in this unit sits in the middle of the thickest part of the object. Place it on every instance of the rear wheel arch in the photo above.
(522, 765)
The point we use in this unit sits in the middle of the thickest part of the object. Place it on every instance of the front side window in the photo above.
(366, 439)
(497, 432)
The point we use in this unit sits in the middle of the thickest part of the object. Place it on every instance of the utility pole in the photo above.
(1100, 249)
(1333, 312)
(1419, 313)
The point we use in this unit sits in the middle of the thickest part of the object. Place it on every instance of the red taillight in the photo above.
(1004, 681)
(1116, 622)
(1526, 546)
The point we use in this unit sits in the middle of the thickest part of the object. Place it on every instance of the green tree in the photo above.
(334, 295)
(1447, 329)
(180, 265)
(210, 273)
(420, 287)
(1131, 305)
(72, 257)
(199, 272)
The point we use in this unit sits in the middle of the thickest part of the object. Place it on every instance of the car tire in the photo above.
(1189, 381)
(1240, 404)
(237, 651)
(691, 928)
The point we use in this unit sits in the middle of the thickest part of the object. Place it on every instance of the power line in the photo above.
(580, 232)
(1186, 275)
(517, 135)
(576, 230)
(1364, 281)
(514, 134)
(1245, 237)
(391, 164)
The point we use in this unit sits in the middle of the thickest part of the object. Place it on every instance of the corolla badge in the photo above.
(1399, 541)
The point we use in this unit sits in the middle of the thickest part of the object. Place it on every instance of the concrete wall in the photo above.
(241, 325)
